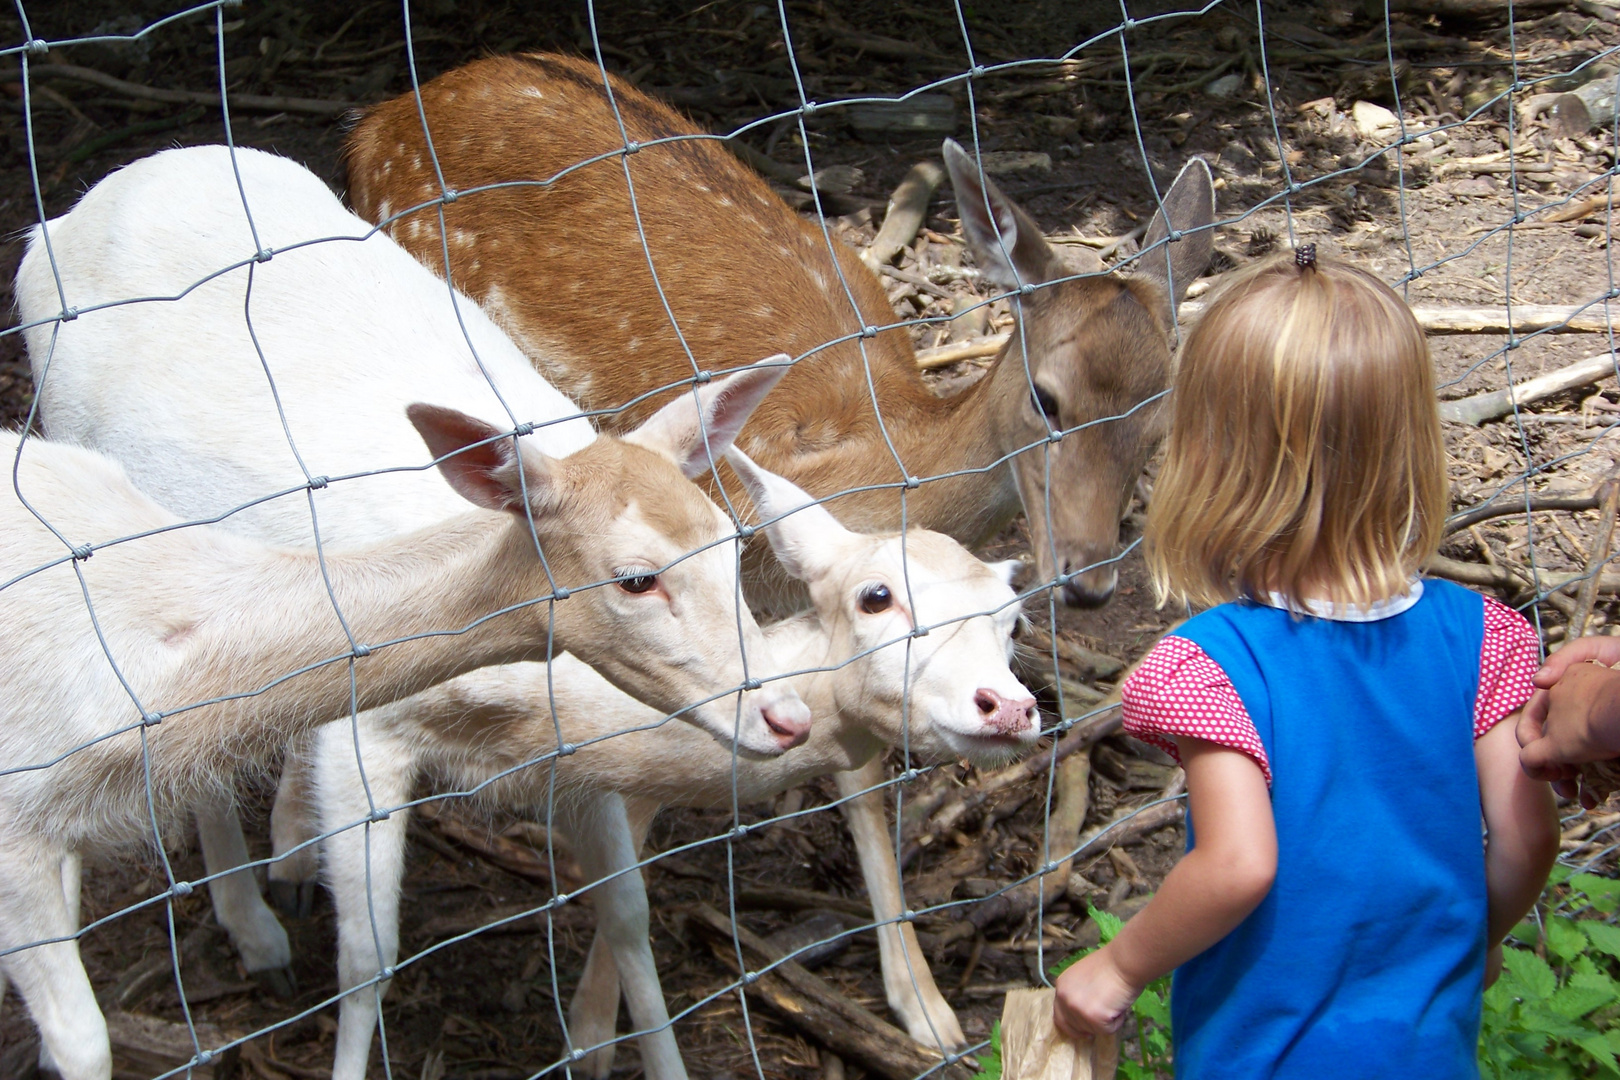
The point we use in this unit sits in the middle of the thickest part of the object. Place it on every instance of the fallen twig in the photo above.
(1587, 596)
(257, 102)
(1509, 507)
(907, 208)
(819, 1009)
(976, 349)
(1482, 407)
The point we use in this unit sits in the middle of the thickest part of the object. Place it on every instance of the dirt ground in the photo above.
(486, 1006)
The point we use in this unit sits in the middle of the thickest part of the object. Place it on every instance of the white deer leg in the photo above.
(292, 823)
(254, 929)
(50, 978)
(594, 1013)
(604, 843)
(907, 981)
(367, 902)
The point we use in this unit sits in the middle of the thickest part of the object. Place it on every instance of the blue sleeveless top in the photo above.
(1367, 958)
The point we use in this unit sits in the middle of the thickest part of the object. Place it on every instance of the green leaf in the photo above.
(1107, 924)
(1604, 893)
(1526, 933)
(1573, 1002)
(1597, 1048)
(1564, 939)
(1604, 938)
(990, 1058)
(1530, 972)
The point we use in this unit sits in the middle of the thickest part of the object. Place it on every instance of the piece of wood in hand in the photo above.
(1032, 1049)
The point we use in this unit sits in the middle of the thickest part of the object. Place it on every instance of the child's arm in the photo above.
(1210, 891)
(1521, 820)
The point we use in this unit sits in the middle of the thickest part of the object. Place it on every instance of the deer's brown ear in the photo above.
(1006, 242)
(1187, 213)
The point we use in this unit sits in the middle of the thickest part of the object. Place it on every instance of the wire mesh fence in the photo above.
(217, 323)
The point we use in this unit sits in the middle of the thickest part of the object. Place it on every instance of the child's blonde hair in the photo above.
(1305, 456)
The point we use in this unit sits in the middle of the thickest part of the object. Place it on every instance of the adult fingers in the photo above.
(1531, 718)
(1605, 650)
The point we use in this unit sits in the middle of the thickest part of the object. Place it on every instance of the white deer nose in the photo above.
(789, 721)
(1003, 715)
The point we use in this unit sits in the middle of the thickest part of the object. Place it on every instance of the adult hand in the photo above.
(1603, 650)
(1574, 722)
(1093, 998)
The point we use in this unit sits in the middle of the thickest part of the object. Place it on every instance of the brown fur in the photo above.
(561, 267)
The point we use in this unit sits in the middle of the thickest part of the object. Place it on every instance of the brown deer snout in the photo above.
(1092, 587)
(1003, 715)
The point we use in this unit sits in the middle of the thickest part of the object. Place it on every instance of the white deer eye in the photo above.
(876, 598)
(636, 581)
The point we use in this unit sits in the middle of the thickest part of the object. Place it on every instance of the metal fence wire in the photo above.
(1525, 469)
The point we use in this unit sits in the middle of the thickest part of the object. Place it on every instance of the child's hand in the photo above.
(1093, 997)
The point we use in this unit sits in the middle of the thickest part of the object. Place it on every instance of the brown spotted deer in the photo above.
(561, 267)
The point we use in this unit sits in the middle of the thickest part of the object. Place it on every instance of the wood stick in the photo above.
(780, 898)
(819, 1009)
(516, 859)
(1527, 318)
(1509, 507)
(145, 1046)
(256, 102)
(955, 353)
(952, 807)
(1087, 663)
(1032, 1049)
(908, 206)
(1489, 406)
(1587, 596)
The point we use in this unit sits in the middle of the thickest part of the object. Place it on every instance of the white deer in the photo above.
(297, 362)
(148, 663)
(871, 680)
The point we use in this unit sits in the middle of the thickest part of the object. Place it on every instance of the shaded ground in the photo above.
(485, 1007)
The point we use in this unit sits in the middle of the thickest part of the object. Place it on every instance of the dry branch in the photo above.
(1587, 595)
(819, 1009)
(907, 208)
(1527, 318)
(257, 102)
(1482, 407)
(516, 859)
(1509, 507)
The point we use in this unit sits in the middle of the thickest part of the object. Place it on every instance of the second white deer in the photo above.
(907, 645)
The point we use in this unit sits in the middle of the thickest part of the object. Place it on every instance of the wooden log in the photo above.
(1459, 9)
(255, 102)
(955, 353)
(907, 209)
(1032, 1049)
(1087, 663)
(819, 1009)
(1489, 406)
(144, 1046)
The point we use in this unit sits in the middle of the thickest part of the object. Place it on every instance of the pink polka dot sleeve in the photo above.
(1509, 656)
(1178, 690)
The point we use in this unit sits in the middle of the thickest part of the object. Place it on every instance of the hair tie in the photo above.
(1305, 256)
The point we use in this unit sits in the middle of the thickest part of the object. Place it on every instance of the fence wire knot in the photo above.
(264, 255)
(567, 749)
(68, 314)
(750, 978)
(83, 552)
(151, 719)
(750, 684)
(181, 888)
(702, 378)
(38, 47)
(632, 147)
(450, 195)
(560, 593)
(360, 651)
(316, 483)
(525, 428)
(745, 532)
(913, 483)
(377, 816)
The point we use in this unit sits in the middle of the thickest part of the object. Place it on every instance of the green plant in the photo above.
(1555, 1012)
(990, 1057)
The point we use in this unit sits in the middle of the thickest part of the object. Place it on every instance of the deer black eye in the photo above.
(1045, 404)
(638, 583)
(1020, 628)
(876, 598)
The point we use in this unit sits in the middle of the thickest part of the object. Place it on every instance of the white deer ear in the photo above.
(695, 429)
(1007, 570)
(477, 462)
(805, 537)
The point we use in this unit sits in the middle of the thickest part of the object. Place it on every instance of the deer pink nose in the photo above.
(1004, 716)
(788, 721)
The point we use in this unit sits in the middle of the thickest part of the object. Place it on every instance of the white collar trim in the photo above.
(1386, 608)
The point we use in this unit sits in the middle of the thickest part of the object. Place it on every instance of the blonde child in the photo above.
(1337, 717)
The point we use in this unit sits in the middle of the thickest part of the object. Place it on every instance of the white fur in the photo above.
(858, 669)
(350, 332)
